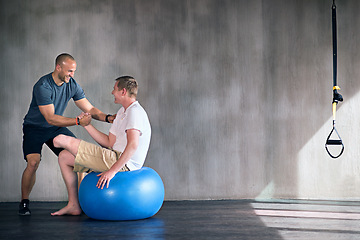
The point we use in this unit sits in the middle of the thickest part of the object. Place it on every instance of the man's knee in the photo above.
(69, 143)
(65, 157)
(64, 154)
(33, 161)
(60, 140)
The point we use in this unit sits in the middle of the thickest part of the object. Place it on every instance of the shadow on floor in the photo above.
(227, 219)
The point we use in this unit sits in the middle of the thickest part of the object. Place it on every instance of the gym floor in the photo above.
(226, 219)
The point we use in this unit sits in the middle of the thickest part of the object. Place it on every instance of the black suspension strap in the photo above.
(336, 95)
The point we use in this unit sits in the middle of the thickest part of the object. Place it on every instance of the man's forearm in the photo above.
(97, 114)
(60, 121)
(129, 151)
(99, 137)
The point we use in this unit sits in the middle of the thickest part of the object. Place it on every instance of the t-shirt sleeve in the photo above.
(79, 93)
(42, 94)
(135, 121)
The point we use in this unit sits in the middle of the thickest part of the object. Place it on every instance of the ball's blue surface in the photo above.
(131, 195)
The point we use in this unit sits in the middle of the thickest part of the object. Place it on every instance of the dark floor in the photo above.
(243, 219)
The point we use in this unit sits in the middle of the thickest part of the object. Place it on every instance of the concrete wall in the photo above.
(238, 92)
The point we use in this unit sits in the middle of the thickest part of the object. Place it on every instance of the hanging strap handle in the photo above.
(336, 95)
(334, 141)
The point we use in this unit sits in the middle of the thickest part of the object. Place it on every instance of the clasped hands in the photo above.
(84, 119)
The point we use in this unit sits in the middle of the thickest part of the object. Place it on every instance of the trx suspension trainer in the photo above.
(336, 96)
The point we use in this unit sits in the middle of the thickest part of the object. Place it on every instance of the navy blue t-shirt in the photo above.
(46, 92)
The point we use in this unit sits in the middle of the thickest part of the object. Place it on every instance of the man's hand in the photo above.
(85, 119)
(112, 118)
(105, 178)
(82, 115)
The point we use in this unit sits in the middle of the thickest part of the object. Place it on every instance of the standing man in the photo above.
(44, 120)
(123, 149)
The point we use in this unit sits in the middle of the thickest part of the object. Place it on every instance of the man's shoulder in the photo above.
(73, 84)
(44, 81)
(72, 80)
(46, 77)
(136, 107)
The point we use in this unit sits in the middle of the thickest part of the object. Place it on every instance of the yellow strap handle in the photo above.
(334, 103)
(334, 110)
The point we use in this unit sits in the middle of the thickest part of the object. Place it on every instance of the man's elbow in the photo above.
(51, 121)
(133, 146)
(95, 113)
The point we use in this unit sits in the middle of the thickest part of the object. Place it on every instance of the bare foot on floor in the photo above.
(68, 210)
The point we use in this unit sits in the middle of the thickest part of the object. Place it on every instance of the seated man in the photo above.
(124, 149)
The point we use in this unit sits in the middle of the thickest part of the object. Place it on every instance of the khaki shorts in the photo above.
(93, 158)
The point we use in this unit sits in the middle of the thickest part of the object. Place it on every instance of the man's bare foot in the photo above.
(68, 210)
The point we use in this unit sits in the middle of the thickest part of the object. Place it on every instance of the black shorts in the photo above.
(34, 138)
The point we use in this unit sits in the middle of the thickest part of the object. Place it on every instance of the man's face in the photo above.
(117, 93)
(67, 70)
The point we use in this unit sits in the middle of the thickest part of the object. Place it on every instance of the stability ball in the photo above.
(131, 195)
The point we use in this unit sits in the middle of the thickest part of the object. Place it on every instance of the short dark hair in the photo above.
(129, 83)
(62, 57)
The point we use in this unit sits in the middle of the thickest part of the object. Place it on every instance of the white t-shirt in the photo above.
(134, 117)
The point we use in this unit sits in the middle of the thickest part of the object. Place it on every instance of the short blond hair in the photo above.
(129, 83)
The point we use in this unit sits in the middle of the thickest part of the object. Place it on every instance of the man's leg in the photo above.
(81, 176)
(28, 181)
(67, 142)
(66, 162)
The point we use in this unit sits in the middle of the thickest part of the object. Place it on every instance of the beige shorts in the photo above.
(93, 158)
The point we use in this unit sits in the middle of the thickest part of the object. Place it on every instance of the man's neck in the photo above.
(57, 79)
(128, 103)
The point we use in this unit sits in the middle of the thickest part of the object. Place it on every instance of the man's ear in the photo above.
(58, 67)
(123, 91)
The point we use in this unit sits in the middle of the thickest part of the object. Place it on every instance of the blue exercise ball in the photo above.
(131, 195)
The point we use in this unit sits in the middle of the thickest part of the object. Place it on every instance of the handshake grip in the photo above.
(84, 119)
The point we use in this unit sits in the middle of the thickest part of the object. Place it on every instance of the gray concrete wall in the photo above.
(238, 92)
